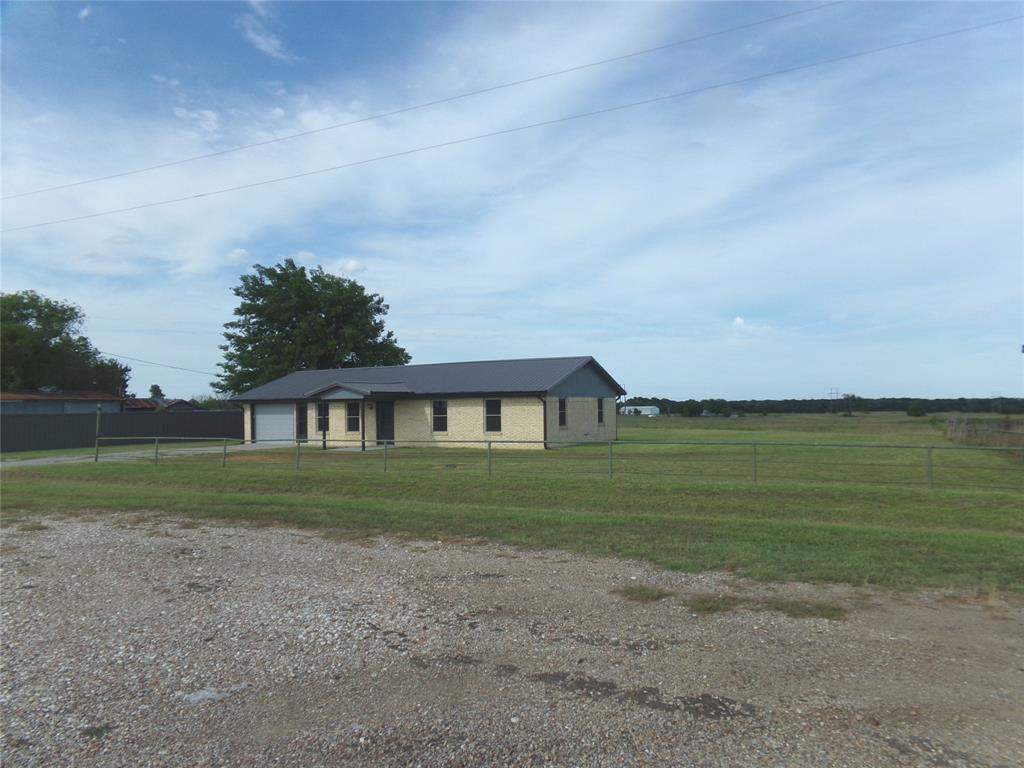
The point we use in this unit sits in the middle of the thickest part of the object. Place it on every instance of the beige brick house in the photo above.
(532, 403)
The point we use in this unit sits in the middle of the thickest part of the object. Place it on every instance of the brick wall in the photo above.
(581, 422)
(522, 418)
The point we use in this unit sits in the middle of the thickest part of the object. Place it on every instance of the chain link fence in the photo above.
(992, 431)
(928, 466)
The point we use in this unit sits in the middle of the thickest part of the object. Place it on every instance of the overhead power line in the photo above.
(529, 126)
(158, 365)
(426, 104)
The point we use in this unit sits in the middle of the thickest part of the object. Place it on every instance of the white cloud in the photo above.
(349, 267)
(85, 13)
(276, 88)
(634, 237)
(748, 330)
(262, 39)
(170, 82)
(260, 7)
(206, 120)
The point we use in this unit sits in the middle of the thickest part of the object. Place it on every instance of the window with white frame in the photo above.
(492, 415)
(439, 415)
(600, 410)
(351, 417)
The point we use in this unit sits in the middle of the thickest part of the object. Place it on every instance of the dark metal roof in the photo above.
(140, 404)
(535, 375)
(76, 395)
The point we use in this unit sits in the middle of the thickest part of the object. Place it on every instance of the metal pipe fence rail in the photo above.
(756, 462)
(136, 447)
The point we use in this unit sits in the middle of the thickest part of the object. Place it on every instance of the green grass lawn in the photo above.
(877, 427)
(682, 507)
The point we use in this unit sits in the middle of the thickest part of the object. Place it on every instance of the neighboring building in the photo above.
(640, 410)
(177, 404)
(161, 404)
(539, 401)
(52, 400)
(137, 404)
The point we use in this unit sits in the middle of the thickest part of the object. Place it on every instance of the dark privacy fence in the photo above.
(40, 432)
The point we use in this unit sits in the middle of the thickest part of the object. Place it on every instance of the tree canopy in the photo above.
(291, 319)
(155, 391)
(42, 345)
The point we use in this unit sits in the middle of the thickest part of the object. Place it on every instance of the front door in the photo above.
(385, 421)
(301, 424)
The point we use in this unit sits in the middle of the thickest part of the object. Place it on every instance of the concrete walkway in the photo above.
(142, 454)
(145, 453)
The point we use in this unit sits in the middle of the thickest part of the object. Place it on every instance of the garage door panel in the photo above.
(275, 421)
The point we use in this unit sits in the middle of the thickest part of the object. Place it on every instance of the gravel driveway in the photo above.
(132, 641)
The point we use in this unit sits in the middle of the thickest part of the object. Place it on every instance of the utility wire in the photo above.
(159, 365)
(424, 105)
(517, 129)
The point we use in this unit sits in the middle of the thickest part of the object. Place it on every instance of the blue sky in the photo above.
(857, 225)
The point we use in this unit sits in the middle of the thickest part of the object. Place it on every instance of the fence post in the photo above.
(298, 445)
(611, 443)
(488, 459)
(931, 469)
(753, 460)
(224, 461)
(99, 410)
(385, 455)
(156, 450)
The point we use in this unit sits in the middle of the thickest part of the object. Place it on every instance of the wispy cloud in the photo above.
(746, 328)
(348, 266)
(206, 120)
(85, 13)
(260, 7)
(255, 30)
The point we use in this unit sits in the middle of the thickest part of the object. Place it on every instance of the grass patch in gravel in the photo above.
(711, 603)
(642, 593)
(32, 526)
(706, 604)
(802, 609)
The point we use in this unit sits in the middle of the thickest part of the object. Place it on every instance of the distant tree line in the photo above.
(847, 404)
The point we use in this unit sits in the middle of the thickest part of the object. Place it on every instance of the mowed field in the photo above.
(850, 503)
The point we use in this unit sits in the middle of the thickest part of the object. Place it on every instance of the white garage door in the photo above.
(275, 421)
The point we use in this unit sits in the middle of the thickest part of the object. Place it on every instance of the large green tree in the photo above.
(291, 319)
(41, 345)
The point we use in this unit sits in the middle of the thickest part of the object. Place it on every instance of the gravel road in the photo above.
(153, 641)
